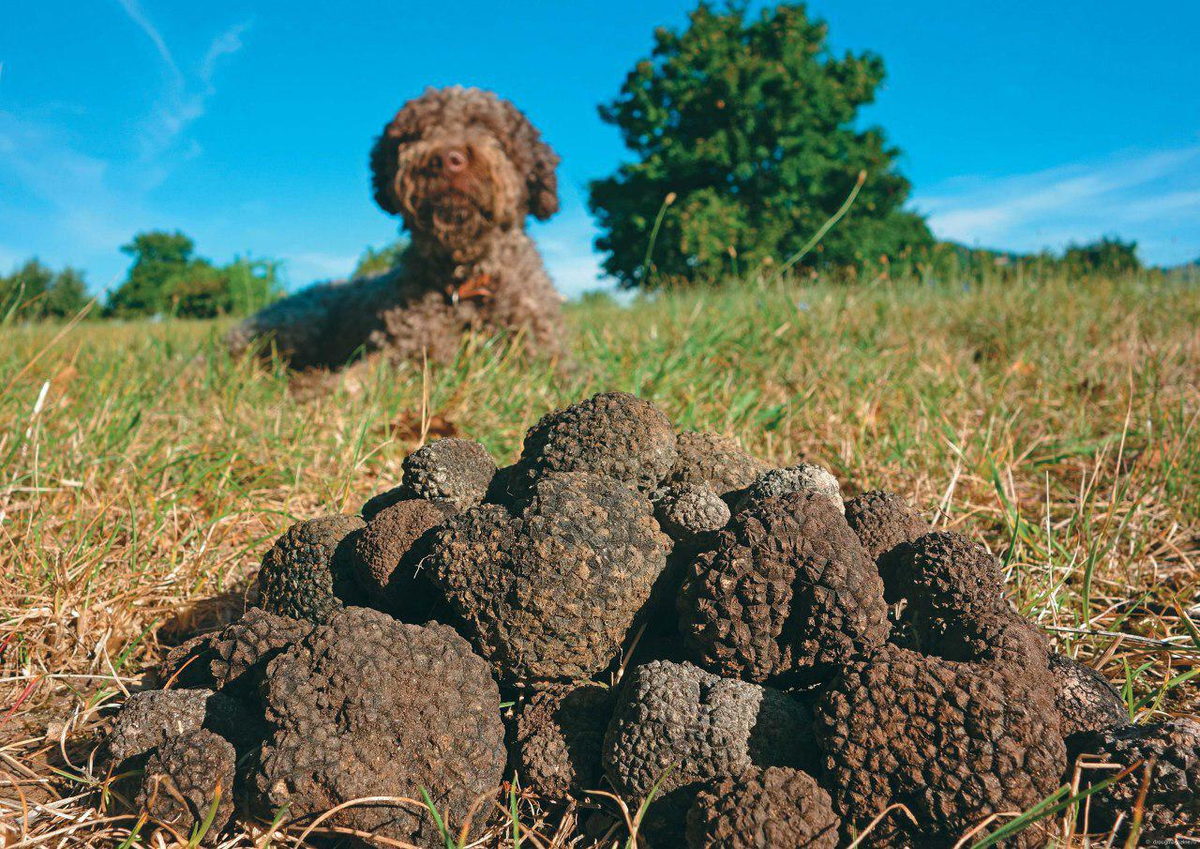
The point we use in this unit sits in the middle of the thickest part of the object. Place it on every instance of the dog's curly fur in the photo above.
(462, 168)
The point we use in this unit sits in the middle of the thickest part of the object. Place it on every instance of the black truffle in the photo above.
(188, 779)
(368, 706)
(787, 595)
(775, 807)
(953, 742)
(559, 739)
(613, 434)
(1086, 700)
(1170, 753)
(379, 502)
(715, 462)
(805, 477)
(884, 523)
(455, 470)
(686, 511)
(387, 555)
(150, 718)
(308, 573)
(550, 594)
(678, 727)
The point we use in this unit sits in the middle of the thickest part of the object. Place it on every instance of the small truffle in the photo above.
(806, 477)
(787, 595)
(387, 554)
(368, 706)
(883, 522)
(455, 470)
(244, 648)
(715, 462)
(953, 742)
(774, 807)
(550, 595)
(613, 434)
(1086, 700)
(686, 511)
(1171, 752)
(150, 718)
(187, 779)
(308, 573)
(678, 727)
(560, 737)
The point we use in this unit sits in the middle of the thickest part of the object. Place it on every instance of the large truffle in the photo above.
(368, 706)
(1169, 752)
(455, 470)
(188, 779)
(678, 727)
(387, 555)
(1086, 701)
(613, 434)
(774, 807)
(550, 594)
(788, 594)
(559, 739)
(953, 742)
(308, 573)
(884, 523)
(805, 477)
(715, 462)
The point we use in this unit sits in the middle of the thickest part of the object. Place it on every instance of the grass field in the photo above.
(142, 472)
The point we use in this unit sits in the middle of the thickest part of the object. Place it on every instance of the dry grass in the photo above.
(143, 473)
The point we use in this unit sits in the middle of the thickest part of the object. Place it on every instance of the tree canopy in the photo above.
(34, 292)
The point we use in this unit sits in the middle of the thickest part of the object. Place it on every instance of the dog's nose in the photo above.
(454, 160)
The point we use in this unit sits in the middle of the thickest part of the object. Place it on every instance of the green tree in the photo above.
(157, 257)
(67, 295)
(1108, 254)
(379, 260)
(34, 292)
(750, 126)
(252, 283)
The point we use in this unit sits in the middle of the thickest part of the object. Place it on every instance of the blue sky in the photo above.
(247, 124)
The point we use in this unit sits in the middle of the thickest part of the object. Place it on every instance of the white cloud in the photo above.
(1152, 197)
(304, 267)
(134, 10)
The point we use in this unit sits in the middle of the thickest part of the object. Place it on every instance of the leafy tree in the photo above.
(252, 284)
(1109, 254)
(157, 257)
(34, 292)
(750, 127)
(379, 260)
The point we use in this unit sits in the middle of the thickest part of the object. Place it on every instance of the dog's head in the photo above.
(456, 163)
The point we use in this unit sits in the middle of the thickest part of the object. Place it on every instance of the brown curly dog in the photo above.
(462, 168)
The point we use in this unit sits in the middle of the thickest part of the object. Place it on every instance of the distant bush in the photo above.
(1109, 254)
(379, 260)
(35, 292)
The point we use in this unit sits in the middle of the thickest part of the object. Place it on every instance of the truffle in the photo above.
(308, 572)
(559, 739)
(715, 462)
(550, 594)
(1170, 752)
(687, 511)
(775, 807)
(386, 555)
(150, 718)
(368, 706)
(1086, 701)
(454, 470)
(788, 594)
(188, 779)
(379, 502)
(677, 727)
(954, 742)
(805, 477)
(883, 522)
(613, 434)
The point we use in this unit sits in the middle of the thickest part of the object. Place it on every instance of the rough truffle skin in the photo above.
(559, 739)
(787, 595)
(379, 502)
(687, 511)
(243, 650)
(884, 522)
(1086, 701)
(1172, 806)
(775, 807)
(455, 470)
(368, 706)
(954, 742)
(551, 594)
(150, 718)
(805, 477)
(713, 461)
(308, 572)
(386, 553)
(182, 781)
(681, 726)
(613, 434)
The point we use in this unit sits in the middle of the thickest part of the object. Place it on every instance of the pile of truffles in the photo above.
(647, 613)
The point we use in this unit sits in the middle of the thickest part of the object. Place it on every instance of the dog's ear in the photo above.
(542, 183)
(384, 165)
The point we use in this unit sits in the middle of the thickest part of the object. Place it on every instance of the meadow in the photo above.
(143, 473)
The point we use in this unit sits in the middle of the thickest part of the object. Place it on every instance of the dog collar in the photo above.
(474, 287)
